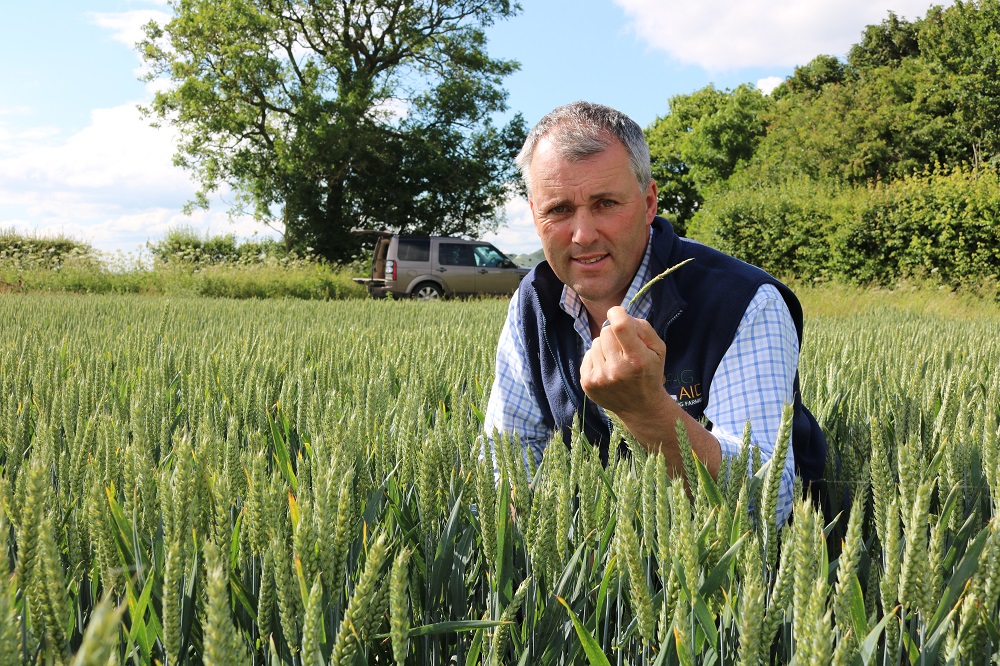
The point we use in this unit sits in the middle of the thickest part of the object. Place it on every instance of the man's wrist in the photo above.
(647, 412)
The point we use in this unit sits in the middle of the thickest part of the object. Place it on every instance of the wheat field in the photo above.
(287, 482)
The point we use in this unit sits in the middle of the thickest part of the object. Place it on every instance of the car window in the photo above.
(487, 255)
(414, 249)
(455, 254)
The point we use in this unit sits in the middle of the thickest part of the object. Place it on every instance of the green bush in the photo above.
(312, 282)
(20, 252)
(942, 225)
(185, 245)
(213, 266)
(782, 228)
(315, 282)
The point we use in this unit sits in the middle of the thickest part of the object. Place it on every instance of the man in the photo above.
(717, 340)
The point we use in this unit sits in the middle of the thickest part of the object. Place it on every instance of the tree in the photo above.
(325, 115)
(820, 71)
(782, 180)
(703, 139)
(886, 44)
(878, 125)
(962, 45)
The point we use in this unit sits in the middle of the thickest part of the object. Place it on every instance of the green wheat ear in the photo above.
(659, 277)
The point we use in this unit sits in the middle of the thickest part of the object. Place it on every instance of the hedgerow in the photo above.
(941, 224)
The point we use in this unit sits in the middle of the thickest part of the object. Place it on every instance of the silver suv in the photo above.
(432, 267)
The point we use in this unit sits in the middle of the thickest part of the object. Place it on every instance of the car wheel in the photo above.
(427, 291)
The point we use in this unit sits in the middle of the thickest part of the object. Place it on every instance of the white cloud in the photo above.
(732, 34)
(518, 235)
(127, 27)
(112, 184)
(14, 141)
(768, 84)
(131, 232)
(117, 151)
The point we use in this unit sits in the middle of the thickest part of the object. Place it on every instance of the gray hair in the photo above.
(582, 129)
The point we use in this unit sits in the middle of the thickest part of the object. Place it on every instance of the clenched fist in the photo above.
(623, 371)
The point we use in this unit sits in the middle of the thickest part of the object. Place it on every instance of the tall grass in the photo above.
(311, 281)
(182, 263)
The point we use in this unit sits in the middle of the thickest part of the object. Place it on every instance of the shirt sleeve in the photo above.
(754, 381)
(512, 408)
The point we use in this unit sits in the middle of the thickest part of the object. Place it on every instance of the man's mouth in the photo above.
(589, 260)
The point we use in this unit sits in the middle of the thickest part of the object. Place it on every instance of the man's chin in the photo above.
(589, 290)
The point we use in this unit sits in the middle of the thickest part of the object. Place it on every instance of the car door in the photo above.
(497, 274)
(457, 267)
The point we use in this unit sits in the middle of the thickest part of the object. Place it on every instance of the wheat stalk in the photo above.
(498, 644)
(222, 642)
(630, 554)
(312, 627)
(360, 606)
(399, 619)
(656, 279)
(848, 567)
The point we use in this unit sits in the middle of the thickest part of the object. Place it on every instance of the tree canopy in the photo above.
(700, 143)
(777, 179)
(327, 115)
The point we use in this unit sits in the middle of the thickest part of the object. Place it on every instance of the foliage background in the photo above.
(328, 115)
(872, 170)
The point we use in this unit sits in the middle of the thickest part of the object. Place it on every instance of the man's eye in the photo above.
(607, 203)
(559, 210)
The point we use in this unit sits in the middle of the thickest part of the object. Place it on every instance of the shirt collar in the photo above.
(572, 305)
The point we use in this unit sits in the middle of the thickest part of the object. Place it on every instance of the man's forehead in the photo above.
(558, 193)
(599, 175)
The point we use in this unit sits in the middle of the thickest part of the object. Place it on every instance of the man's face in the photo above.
(593, 220)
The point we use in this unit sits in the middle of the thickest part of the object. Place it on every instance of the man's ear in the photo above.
(651, 201)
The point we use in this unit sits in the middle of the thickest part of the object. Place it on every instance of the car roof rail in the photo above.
(372, 232)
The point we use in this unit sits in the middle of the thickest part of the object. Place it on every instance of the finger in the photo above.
(609, 347)
(592, 369)
(598, 353)
(643, 330)
(622, 327)
(647, 334)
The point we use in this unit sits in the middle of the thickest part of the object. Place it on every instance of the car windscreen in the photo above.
(487, 255)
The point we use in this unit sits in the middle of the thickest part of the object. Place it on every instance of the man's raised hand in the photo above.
(623, 370)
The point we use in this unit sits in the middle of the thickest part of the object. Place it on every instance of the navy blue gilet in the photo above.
(696, 311)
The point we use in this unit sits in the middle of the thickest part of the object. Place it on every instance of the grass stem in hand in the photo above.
(659, 277)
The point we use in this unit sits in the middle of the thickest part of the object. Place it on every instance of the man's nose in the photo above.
(584, 228)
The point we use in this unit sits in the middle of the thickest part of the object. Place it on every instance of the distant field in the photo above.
(296, 479)
(919, 299)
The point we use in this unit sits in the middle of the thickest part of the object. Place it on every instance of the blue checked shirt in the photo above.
(753, 381)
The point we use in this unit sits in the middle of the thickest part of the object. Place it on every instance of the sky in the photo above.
(78, 159)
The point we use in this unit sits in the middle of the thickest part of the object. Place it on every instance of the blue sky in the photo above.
(77, 159)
